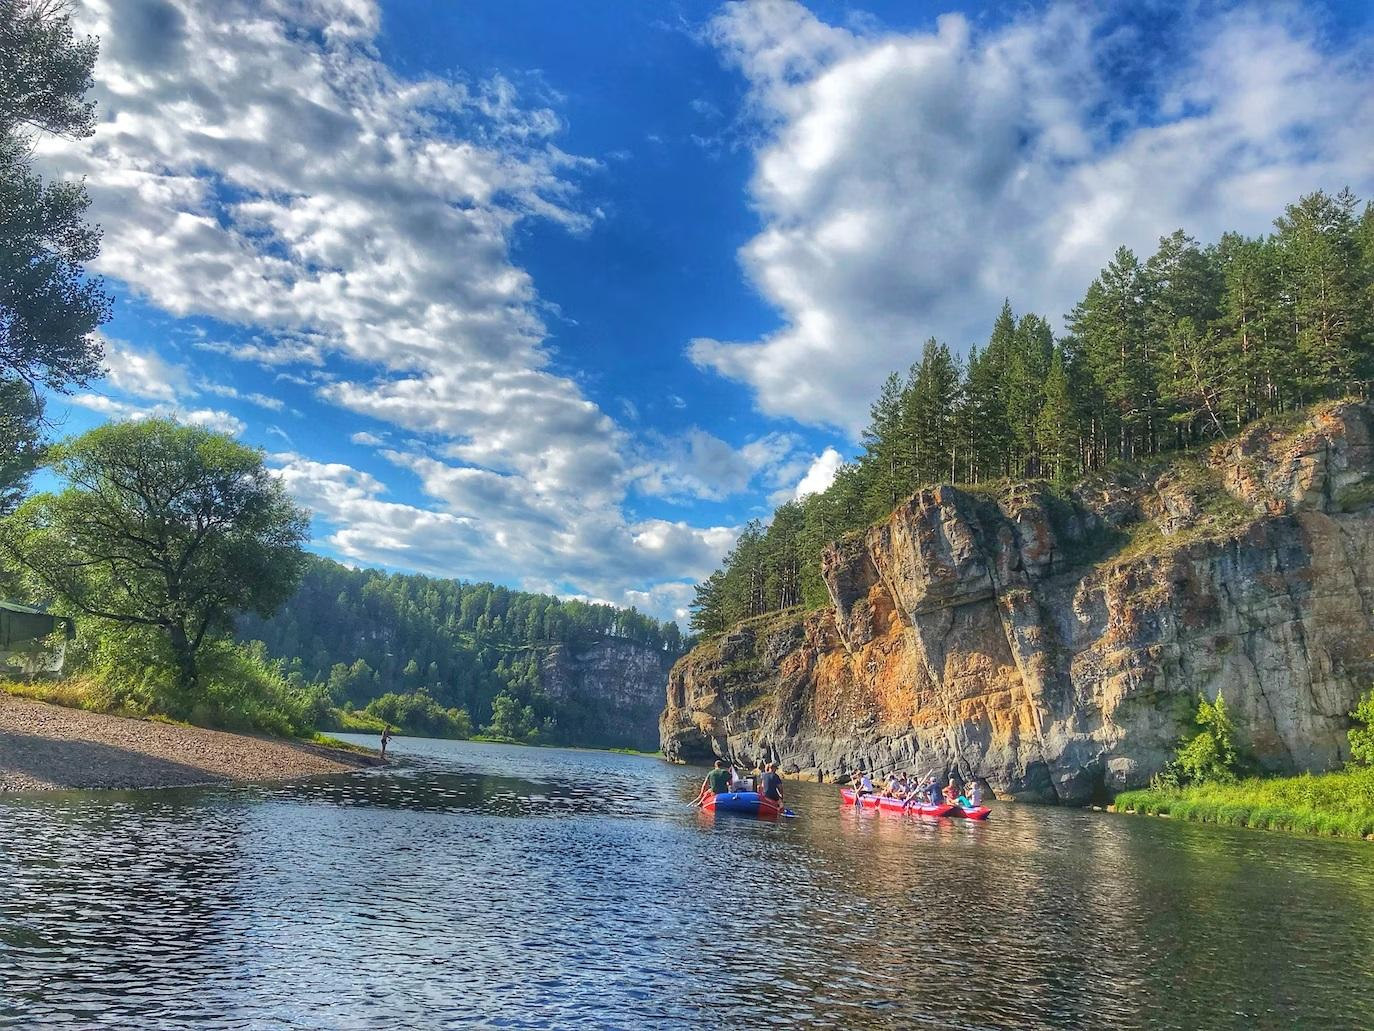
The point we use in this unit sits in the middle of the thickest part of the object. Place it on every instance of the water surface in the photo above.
(496, 886)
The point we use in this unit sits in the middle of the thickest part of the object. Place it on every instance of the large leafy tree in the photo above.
(166, 527)
(49, 309)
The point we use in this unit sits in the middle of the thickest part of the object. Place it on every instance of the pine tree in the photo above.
(1023, 388)
(1109, 324)
(930, 405)
(883, 448)
(1055, 427)
(1317, 237)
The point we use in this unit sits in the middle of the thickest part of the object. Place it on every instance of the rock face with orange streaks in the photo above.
(1055, 643)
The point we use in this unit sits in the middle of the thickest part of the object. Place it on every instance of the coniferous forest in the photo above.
(1171, 352)
(375, 641)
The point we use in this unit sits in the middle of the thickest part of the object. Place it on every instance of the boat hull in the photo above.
(896, 805)
(743, 803)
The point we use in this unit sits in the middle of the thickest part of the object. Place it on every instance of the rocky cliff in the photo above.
(614, 690)
(1055, 642)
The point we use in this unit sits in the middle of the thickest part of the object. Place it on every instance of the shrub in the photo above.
(418, 712)
(131, 670)
(1210, 755)
(1362, 734)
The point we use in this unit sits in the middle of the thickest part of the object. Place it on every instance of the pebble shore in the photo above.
(46, 746)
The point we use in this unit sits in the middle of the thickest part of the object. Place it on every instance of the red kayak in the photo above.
(897, 805)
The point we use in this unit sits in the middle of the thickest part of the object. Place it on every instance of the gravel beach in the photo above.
(47, 746)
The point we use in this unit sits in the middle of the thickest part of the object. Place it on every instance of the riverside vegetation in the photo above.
(1206, 783)
(165, 538)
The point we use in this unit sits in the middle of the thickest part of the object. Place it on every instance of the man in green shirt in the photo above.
(717, 782)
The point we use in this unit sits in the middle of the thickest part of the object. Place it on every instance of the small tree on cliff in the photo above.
(1210, 755)
(168, 528)
(1362, 733)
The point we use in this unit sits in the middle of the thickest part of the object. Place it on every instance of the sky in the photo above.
(560, 295)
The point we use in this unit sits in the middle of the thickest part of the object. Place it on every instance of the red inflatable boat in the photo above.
(897, 805)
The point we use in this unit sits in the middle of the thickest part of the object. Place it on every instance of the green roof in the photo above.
(14, 606)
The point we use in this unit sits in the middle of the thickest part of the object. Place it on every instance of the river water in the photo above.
(492, 886)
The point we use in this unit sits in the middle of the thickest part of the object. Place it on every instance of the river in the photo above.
(487, 885)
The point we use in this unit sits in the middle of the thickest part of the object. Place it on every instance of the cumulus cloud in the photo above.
(209, 418)
(821, 473)
(142, 373)
(258, 164)
(909, 182)
(273, 404)
(486, 528)
(701, 465)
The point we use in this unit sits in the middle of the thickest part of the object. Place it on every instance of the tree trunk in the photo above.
(187, 674)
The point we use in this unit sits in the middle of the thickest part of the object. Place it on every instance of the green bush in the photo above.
(131, 670)
(419, 713)
(1362, 734)
(1211, 755)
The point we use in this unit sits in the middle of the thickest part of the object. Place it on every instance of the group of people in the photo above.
(908, 787)
(722, 779)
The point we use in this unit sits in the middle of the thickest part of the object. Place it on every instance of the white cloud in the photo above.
(489, 528)
(909, 182)
(142, 373)
(272, 404)
(209, 418)
(701, 465)
(258, 164)
(367, 439)
(821, 474)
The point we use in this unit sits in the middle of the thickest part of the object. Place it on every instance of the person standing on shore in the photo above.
(386, 738)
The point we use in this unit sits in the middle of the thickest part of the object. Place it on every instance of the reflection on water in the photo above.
(546, 888)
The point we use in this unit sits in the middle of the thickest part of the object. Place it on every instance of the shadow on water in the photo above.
(486, 884)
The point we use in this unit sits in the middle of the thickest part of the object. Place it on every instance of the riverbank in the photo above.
(49, 746)
(1332, 804)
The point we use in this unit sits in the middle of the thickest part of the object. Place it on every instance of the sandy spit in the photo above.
(47, 746)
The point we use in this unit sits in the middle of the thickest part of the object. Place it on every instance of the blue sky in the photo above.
(560, 295)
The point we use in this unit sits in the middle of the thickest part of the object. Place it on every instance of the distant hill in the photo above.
(592, 674)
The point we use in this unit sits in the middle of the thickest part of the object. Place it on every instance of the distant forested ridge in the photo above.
(364, 634)
(1172, 352)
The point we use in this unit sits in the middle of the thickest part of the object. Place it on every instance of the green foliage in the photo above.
(420, 714)
(1362, 733)
(363, 634)
(1211, 755)
(49, 310)
(1169, 354)
(171, 528)
(1340, 803)
(129, 669)
(511, 721)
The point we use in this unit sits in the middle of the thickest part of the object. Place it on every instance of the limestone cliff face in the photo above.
(617, 688)
(1056, 644)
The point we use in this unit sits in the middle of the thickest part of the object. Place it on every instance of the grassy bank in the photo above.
(1334, 804)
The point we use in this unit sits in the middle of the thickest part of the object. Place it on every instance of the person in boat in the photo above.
(894, 786)
(975, 793)
(770, 783)
(863, 784)
(717, 782)
(736, 781)
(933, 791)
(952, 792)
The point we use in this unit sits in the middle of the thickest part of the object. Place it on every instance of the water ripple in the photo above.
(523, 888)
